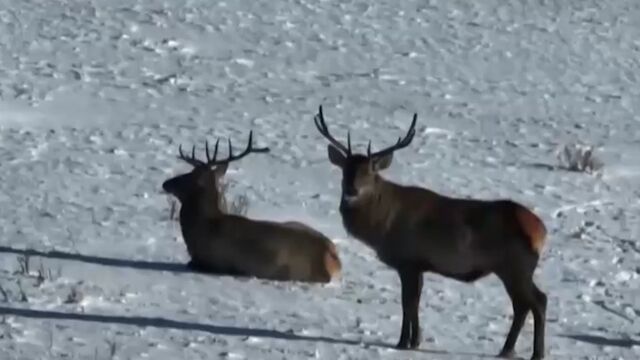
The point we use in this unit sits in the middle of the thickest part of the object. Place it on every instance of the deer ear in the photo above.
(220, 170)
(335, 156)
(382, 163)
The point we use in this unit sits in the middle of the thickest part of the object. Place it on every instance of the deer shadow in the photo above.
(473, 355)
(188, 267)
(122, 263)
(173, 324)
(603, 341)
(163, 323)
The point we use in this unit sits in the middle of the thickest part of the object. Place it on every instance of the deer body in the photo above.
(462, 239)
(415, 230)
(225, 243)
(263, 249)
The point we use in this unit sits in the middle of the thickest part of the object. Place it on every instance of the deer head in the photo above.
(204, 178)
(359, 171)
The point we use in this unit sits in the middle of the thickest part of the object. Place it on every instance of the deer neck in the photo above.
(196, 225)
(196, 211)
(370, 217)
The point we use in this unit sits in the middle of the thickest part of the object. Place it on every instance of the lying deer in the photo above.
(223, 243)
(415, 230)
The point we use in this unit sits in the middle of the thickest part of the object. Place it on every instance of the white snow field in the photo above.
(96, 95)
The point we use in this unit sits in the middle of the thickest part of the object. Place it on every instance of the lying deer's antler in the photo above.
(211, 161)
(248, 150)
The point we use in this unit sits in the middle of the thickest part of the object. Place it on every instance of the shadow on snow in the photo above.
(134, 264)
(162, 323)
(172, 324)
(603, 341)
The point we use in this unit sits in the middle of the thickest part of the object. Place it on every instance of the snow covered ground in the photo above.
(96, 95)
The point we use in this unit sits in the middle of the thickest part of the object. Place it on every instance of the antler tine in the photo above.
(259, 149)
(190, 160)
(318, 119)
(253, 149)
(249, 149)
(215, 151)
(401, 143)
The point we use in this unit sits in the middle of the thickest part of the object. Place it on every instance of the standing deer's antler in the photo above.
(324, 130)
(211, 161)
(402, 142)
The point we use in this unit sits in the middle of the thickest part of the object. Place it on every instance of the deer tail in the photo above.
(332, 262)
(533, 228)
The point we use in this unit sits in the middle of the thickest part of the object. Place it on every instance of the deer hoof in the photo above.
(415, 343)
(537, 356)
(407, 345)
(403, 344)
(507, 354)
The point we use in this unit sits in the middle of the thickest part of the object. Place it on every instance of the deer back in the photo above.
(282, 251)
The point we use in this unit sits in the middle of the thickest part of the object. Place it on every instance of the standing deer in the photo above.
(223, 243)
(415, 230)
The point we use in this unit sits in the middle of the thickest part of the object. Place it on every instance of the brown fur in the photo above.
(263, 249)
(332, 262)
(533, 227)
(229, 244)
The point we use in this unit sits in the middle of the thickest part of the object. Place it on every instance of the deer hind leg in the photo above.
(521, 308)
(411, 281)
(525, 296)
(539, 318)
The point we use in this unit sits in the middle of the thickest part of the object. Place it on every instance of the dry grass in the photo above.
(74, 297)
(238, 206)
(579, 158)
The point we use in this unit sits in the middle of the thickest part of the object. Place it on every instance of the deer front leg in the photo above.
(411, 283)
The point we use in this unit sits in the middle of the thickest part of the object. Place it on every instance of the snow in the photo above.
(96, 95)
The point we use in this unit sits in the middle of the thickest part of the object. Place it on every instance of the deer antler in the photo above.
(215, 151)
(191, 160)
(318, 119)
(402, 142)
(248, 150)
(211, 161)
